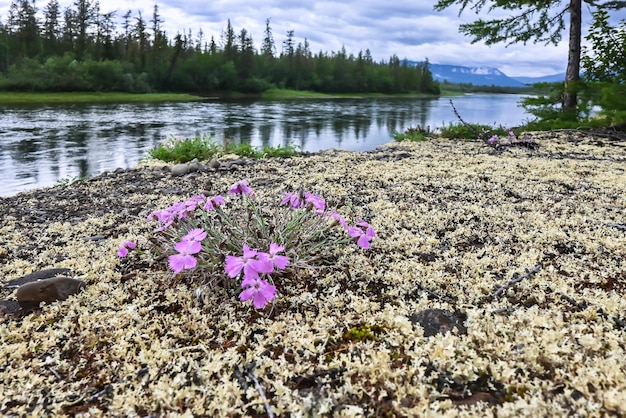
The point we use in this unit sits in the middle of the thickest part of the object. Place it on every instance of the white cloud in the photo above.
(409, 30)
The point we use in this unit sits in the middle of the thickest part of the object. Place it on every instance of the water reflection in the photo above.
(41, 144)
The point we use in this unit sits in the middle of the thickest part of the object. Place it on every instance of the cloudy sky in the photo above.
(409, 29)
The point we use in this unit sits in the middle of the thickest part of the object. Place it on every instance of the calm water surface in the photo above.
(41, 145)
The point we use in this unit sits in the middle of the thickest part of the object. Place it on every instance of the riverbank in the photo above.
(284, 94)
(524, 249)
(12, 98)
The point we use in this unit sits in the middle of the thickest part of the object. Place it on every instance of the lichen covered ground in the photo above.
(528, 247)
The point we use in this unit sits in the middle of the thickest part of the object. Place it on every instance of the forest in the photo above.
(80, 48)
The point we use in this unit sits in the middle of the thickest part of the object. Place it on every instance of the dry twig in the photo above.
(259, 389)
(516, 279)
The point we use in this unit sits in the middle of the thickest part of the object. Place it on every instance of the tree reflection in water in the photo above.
(39, 145)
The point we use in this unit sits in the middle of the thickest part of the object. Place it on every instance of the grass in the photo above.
(460, 130)
(453, 131)
(71, 180)
(274, 94)
(91, 97)
(284, 94)
(416, 134)
(117, 97)
(204, 148)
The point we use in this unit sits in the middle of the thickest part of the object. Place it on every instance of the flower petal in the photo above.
(233, 266)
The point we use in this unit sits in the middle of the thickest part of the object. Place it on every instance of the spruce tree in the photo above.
(537, 21)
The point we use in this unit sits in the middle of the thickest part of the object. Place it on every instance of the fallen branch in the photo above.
(239, 376)
(516, 279)
(618, 226)
(55, 373)
(584, 305)
(527, 141)
(259, 389)
(108, 389)
(479, 135)
(614, 135)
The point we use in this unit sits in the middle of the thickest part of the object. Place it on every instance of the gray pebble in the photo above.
(438, 321)
(180, 169)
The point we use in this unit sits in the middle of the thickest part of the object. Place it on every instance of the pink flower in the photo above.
(340, 219)
(213, 202)
(247, 263)
(363, 233)
(308, 200)
(124, 247)
(292, 199)
(241, 187)
(259, 291)
(314, 201)
(164, 216)
(197, 234)
(193, 202)
(272, 259)
(184, 259)
(178, 209)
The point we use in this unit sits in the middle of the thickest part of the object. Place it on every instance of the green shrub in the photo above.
(185, 150)
(204, 148)
(418, 133)
(471, 131)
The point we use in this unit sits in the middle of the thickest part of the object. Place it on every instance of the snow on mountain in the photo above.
(478, 76)
(482, 76)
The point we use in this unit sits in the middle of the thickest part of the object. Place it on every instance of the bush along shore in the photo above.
(431, 276)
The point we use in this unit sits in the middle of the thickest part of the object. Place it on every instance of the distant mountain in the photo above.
(478, 76)
(483, 76)
(554, 78)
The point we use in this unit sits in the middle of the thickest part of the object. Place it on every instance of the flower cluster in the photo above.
(525, 140)
(253, 264)
(200, 234)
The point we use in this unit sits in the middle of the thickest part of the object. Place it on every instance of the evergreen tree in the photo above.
(106, 29)
(52, 27)
(68, 29)
(159, 38)
(141, 34)
(268, 49)
(246, 60)
(229, 42)
(84, 52)
(212, 46)
(85, 15)
(23, 25)
(604, 67)
(128, 33)
(539, 21)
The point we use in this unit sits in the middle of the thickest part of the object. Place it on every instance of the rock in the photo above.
(94, 238)
(30, 295)
(439, 321)
(36, 275)
(9, 307)
(214, 164)
(180, 169)
(195, 166)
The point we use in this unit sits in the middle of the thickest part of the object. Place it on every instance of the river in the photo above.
(41, 145)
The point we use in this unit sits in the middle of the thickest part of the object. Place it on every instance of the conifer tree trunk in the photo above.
(572, 74)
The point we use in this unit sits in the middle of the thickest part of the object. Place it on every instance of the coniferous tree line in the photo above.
(81, 48)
